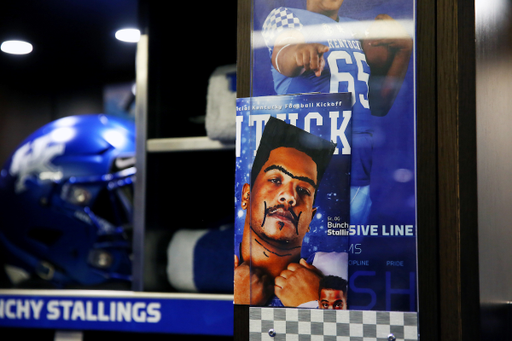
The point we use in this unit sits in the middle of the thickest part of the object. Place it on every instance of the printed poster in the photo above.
(292, 196)
(365, 49)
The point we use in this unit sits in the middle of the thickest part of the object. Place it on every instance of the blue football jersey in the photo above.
(346, 69)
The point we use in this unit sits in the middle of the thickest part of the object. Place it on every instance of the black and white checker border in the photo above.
(292, 324)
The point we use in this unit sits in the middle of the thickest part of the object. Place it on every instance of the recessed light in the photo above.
(16, 47)
(128, 35)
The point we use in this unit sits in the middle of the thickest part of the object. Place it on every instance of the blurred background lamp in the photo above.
(16, 47)
(129, 35)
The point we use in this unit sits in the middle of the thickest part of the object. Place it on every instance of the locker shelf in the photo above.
(183, 144)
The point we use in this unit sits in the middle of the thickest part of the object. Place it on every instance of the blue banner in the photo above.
(179, 314)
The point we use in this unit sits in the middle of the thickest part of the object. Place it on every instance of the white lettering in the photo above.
(101, 312)
(88, 312)
(34, 158)
(339, 133)
(312, 116)
(36, 308)
(78, 311)
(53, 310)
(124, 312)
(364, 230)
(154, 314)
(138, 313)
(364, 77)
(384, 232)
(112, 311)
(258, 120)
(8, 312)
(238, 147)
(67, 308)
(293, 119)
(409, 230)
(22, 308)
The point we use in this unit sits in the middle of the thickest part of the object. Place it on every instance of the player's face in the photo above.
(281, 205)
(332, 299)
(324, 6)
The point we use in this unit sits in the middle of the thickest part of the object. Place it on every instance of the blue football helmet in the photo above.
(66, 201)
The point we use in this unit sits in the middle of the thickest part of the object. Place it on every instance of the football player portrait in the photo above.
(333, 293)
(288, 166)
(315, 49)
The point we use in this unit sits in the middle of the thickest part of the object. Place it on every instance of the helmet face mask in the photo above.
(68, 204)
(106, 200)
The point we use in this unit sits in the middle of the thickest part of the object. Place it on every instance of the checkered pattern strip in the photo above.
(331, 325)
(279, 19)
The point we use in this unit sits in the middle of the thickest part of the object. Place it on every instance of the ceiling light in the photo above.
(16, 47)
(129, 35)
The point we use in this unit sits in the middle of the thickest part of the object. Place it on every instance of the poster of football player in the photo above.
(292, 197)
(365, 48)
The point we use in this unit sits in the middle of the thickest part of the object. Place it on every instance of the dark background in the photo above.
(76, 56)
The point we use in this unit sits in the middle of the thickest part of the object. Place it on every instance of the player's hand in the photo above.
(311, 57)
(385, 31)
(252, 287)
(298, 284)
